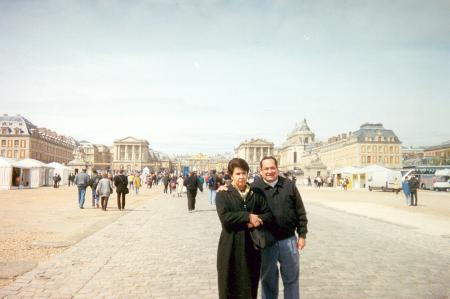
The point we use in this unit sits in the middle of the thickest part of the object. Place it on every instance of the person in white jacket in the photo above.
(104, 189)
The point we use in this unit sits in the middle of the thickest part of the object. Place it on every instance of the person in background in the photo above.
(192, 184)
(82, 181)
(180, 185)
(95, 178)
(121, 183)
(413, 186)
(406, 191)
(104, 190)
(137, 183)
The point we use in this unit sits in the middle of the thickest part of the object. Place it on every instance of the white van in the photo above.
(384, 180)
(442, 180)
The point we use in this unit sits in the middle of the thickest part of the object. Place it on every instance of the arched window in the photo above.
(295, 157)
(306, 140)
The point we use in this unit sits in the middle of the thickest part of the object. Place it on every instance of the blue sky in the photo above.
(202, 76)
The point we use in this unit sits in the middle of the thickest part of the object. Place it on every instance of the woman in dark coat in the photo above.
(240, 208)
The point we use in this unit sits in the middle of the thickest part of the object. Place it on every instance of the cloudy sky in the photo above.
(202, 76)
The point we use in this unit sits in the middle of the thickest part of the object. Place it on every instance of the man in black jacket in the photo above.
(413, 186)
(289, 214)
(192, 183)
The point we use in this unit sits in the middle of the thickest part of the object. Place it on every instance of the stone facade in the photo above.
(130, 154)
(202, 163)
(439, 153)
(294, 147)
(253, 151)
(371, 144)
(21, 139)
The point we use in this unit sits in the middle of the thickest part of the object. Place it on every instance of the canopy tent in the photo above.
(347, 170)
(9, 173)
(60, 169)
(375, 168)
(37, 174)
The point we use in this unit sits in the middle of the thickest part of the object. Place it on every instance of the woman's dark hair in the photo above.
(268, 158)
(237, 162)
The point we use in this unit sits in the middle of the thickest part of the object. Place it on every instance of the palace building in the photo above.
(253, 151)
(22, 139)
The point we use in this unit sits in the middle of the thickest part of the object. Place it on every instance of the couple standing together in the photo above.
(272, 202)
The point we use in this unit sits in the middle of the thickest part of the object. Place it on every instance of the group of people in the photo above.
(102, 187)
(272, 203)
(410, 185)
(56, 180)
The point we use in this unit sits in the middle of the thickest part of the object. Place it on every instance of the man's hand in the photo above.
(301, 242)
(222, 188)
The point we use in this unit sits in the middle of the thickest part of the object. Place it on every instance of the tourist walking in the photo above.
(192, 184)
(413, 186)
(212, 184)
(406, 191)
(289, 214)
(173, 185)
(104, 190)
(240, 208)
(95, 178)
(82, 181)
(137, 183)
(165, 179)
(180, 185)
(121, 183)
(131, 181)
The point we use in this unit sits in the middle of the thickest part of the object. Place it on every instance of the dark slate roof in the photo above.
(373, 131)
(18, 118)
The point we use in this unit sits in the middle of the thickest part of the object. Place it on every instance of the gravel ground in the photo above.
(39, 223)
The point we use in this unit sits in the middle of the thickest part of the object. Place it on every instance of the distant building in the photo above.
(21, 139)
(371, 144)
(294, 147)
(253, 151)
(97, 155)
(131, 154)
(440, 154)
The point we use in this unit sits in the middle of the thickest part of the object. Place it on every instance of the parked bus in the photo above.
(425, 174)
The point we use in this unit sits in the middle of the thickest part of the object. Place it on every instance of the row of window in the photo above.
(381, 149)
(380, 159)
(9, 131)
(13, 154)
(380, 139)
(15, 143)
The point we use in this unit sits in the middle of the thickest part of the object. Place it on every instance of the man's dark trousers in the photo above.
(191, 194)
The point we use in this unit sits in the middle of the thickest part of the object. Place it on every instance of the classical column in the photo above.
(254, 154)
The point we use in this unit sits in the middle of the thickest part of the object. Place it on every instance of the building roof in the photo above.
(443, 145)
(373, 130)
(18, 118)
(301, 127)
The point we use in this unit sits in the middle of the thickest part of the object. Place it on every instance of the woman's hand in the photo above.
(254, 220)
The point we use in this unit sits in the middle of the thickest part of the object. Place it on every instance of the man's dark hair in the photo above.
(237, 162)
(268, 158)
(121, 171)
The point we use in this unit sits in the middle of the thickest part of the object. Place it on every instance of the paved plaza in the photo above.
(159, 250)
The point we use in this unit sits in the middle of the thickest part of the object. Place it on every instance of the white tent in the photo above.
(347, 170)
(7, 167)
(37, 175)
(60, 169)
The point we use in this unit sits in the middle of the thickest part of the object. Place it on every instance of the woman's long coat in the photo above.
(238, 263)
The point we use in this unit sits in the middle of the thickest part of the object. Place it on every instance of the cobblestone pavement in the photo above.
(159, 250)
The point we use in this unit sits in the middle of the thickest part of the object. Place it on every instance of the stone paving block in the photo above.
(162, 251)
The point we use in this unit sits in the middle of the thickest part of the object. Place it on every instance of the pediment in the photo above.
(258, 142)
(131, 140)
